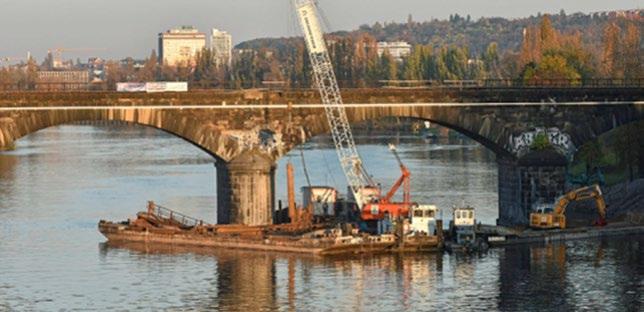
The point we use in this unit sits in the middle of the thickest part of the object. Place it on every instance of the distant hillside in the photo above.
(535, 50)
(474, 34)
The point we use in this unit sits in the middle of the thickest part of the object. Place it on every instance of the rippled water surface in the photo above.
(60, 181)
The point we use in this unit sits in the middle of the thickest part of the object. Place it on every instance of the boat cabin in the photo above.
(463, 222)
(423, 219)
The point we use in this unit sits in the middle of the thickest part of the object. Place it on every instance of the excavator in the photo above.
(551, 218)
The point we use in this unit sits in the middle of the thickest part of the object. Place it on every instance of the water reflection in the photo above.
(8, 165)
(518, 278)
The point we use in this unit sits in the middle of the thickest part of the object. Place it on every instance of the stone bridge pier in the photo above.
(246, 189)
(525, 182)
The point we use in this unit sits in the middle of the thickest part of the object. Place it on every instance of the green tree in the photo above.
(491, 61)
(591, 154)
(206, 73)
(628, 144)
(552, 67)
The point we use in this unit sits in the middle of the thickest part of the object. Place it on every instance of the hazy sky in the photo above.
(130, 27)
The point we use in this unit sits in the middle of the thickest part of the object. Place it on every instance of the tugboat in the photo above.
(462, 231)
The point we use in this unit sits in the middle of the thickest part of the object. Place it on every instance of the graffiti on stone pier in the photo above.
(562, 142)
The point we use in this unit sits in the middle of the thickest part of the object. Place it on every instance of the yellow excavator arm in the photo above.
(548, 220)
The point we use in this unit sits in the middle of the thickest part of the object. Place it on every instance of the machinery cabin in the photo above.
(549, 218)
(423, 219)
(321, 199)
(462, 225)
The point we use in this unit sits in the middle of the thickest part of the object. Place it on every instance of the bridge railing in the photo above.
(420, 84)
(516, 83)
(172, 215)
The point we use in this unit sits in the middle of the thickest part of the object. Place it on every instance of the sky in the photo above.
(120, 28)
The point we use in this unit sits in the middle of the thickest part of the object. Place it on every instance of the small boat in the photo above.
(462, 231)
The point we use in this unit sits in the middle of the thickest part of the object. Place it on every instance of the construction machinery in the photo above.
(358, 180)
(550, 218)
(362, 189)
(384, 205)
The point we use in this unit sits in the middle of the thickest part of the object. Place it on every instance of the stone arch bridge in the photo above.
(248, 136)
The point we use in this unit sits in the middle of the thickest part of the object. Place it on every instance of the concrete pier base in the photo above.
(539, 177)
(245, 189)
(510, 210)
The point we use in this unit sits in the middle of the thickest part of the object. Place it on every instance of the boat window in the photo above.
(458, 214)
(429, 213)
(418, 213)
(471, 214)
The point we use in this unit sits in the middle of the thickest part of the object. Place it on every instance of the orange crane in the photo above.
(384, 205)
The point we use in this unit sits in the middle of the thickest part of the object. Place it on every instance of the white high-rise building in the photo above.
(180, 46)
(221, 44)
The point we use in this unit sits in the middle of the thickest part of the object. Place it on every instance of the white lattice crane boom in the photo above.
(350, 160)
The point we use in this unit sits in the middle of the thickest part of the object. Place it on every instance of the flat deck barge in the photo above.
(157, 226)
(505, 237)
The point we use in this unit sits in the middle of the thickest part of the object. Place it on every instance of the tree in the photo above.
(628, 144)
(547, 34)
(389, 66)
(113, 74)
(552, 67)
(31, 73)
(206, 72)
(591, 154)
(632, 53)
(413, 65)
(149, 72)
(611, 58)
(490, 60)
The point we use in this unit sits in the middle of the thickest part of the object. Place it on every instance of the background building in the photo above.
(221, 44)
(180, 46)
(397, 49)
(62, 80)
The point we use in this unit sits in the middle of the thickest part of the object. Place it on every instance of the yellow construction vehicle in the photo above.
(550, 218)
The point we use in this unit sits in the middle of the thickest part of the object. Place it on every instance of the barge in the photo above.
(159, 225)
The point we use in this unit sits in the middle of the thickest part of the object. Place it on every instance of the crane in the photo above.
(360, 183)
(366, 194)
(376, 210)
(553, 218)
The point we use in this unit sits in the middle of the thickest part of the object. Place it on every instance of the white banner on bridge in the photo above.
(152, 87)
(130, 87)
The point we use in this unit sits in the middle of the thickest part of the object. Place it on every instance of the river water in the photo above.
(59, 182)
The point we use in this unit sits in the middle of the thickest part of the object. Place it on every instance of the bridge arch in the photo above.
(208, 137)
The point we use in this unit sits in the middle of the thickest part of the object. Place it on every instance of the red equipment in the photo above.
(377, 210)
